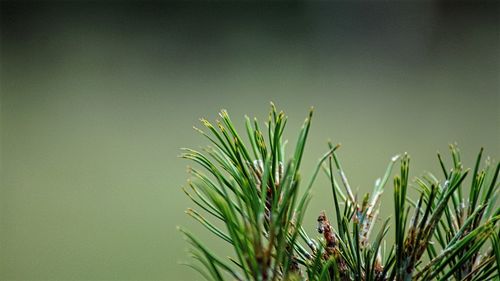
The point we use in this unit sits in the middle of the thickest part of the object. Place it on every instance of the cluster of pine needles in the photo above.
(249, 196)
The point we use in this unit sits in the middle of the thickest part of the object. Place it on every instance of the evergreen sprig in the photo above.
(249, 197)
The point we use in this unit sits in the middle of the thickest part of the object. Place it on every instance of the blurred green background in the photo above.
(97, 99)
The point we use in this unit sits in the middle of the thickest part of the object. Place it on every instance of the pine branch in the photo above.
(249, 195)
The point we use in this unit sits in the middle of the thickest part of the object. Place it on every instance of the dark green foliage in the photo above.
(252, 196)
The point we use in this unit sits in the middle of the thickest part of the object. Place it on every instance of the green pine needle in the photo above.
(249, 195)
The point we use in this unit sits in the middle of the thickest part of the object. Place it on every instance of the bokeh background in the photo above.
(98, 97)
